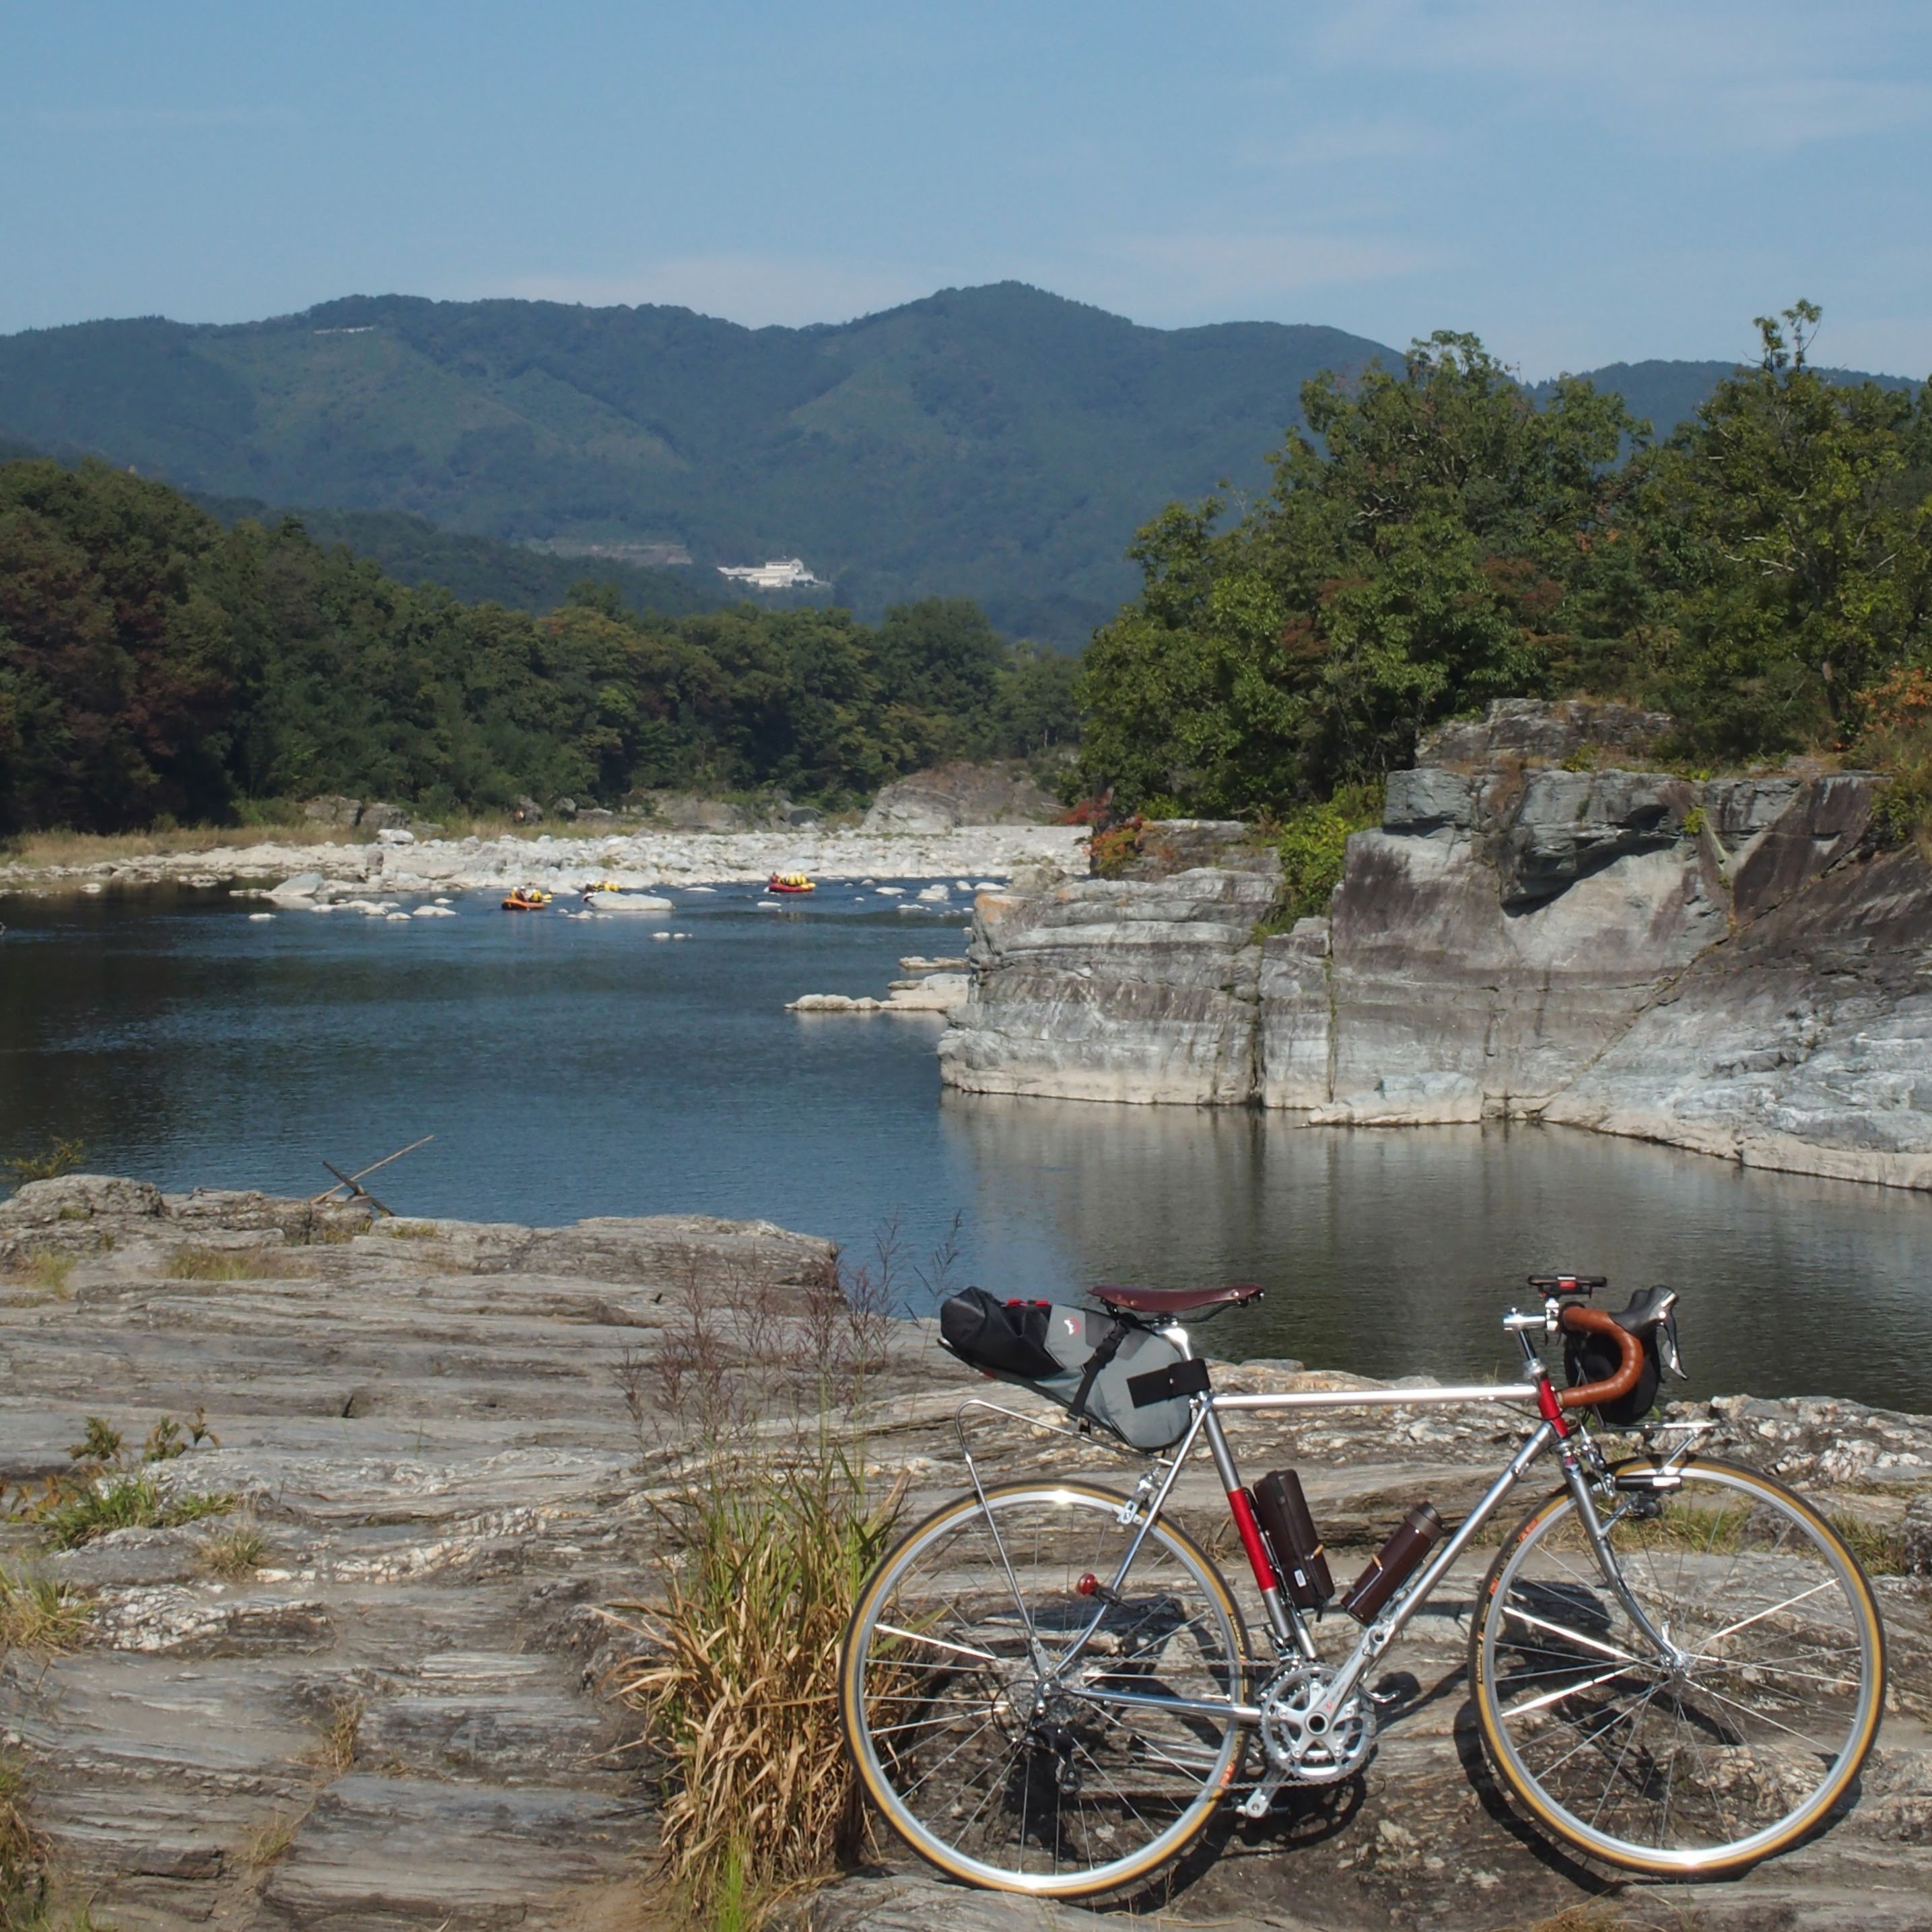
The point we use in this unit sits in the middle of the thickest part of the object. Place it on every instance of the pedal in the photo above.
(1255, 1805)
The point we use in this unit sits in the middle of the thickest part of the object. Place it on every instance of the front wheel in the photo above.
(1725, 1745)
(976, 1681)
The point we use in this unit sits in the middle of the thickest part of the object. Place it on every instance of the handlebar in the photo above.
(1578, 1320)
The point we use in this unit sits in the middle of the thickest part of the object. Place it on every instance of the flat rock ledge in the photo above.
(451, 1436)
(1736, 966)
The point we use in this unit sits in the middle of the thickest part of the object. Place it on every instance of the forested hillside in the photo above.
(998, 443)
(154, 663)
(487, 570)
(1432, 541)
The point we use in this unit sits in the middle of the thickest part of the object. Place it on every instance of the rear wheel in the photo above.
(1728, 1749)
(993, 1756)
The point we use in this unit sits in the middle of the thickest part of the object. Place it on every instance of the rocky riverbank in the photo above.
(1537, 931)
(400, 863)
(449, 1439)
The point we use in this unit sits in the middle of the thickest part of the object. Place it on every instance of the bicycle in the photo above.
(1677, 1664)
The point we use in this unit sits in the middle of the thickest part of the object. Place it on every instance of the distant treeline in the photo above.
(153, 664)
(1434, 541)
(486, 570)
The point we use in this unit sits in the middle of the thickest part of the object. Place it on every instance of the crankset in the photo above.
(1301, 1746)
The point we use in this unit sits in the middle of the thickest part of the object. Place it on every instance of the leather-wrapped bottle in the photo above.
(1393, 1565)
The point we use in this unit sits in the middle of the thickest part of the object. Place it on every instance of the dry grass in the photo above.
(333, 1234)
(738, 1692)
(196, 1263)
(49, 1268)
(37, 1614)
(339, 1737)
(23, 1849)
(271, 1838)
(236, 1551)
(1604, 1914)
(1879, 1547)
(59, 1156)
(107, 848)
(1595, 1914)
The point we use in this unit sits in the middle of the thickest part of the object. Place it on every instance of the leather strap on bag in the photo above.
(1108, 1348)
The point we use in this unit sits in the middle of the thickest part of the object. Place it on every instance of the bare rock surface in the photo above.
(632, 856)
(1113, 989)
(953, 795)
(1731, 965)
(451, 1438)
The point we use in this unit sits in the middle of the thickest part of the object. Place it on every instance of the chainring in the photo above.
(1302, 1757)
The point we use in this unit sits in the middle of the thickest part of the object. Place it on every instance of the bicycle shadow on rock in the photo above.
(1301, 1817)
(1592, 1880)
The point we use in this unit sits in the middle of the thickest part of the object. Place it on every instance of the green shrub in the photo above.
(1313, 842)
(58, 1157)
(123, 1502)
(111, 1488)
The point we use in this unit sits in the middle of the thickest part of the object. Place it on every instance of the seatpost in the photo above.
(1288, 1630)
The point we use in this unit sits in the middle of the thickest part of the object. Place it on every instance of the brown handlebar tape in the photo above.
(1588, 1395)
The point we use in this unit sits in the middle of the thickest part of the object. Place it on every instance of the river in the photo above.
(572, 1067)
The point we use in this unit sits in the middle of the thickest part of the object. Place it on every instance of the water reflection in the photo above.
(571, 1068)
(1392, 1252)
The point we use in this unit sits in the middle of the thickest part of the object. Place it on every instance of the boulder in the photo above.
(379, 817)
(526, 812)
(960, 794)
(683, 811)
(1527, 731)
(1167, 846)
(78, 1197)
(332, 810)
(1429, 800)
(301, 886)
(564, 808)
(1728, 966)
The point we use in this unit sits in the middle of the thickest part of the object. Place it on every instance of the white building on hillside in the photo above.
(785, 574)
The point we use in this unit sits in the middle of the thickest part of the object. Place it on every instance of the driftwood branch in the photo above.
(353, 1182)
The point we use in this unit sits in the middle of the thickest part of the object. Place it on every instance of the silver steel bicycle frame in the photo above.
(1288, 1626)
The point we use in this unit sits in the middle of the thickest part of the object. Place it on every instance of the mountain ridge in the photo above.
(999, 442)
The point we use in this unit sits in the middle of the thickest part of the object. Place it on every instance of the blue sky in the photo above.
(1579, 184)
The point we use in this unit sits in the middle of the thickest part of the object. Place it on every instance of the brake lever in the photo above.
(1667, 1348)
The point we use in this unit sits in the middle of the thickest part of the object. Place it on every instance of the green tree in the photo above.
(1790, 525)
(1420, 553)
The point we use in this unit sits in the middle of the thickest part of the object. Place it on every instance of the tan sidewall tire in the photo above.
(850, 1702)
(1814, 1813)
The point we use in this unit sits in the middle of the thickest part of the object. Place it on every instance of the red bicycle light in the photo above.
(1088, 1584)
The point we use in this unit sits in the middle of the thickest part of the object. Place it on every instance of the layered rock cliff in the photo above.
(1537, 931)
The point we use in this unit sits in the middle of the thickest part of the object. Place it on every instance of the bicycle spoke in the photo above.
(1026, 1781)
(1756, 1725)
